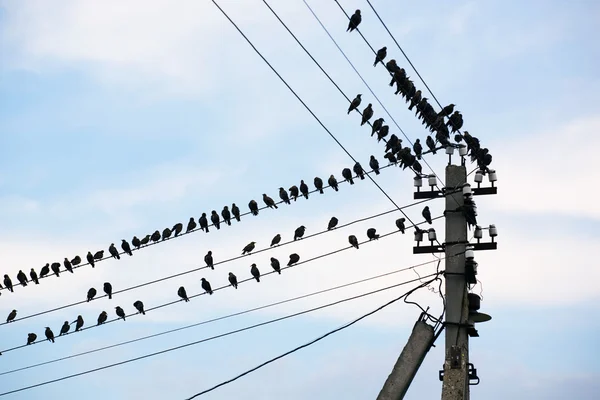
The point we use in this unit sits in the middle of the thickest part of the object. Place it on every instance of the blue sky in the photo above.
(120, 119)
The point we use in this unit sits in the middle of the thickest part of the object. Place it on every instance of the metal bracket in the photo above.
(434, 194)
(442, 248)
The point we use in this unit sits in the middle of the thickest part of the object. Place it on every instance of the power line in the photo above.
(216, 289)
(210, 338)
(311, 342)
(413, 267)
(214, 264)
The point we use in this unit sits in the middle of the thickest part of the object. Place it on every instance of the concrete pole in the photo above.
(456, 374)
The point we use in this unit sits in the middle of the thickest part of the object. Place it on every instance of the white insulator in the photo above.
(462, 150)
(478, 232)
(432, 180)
(478, 176)
(493, 231)
(449, 150)
(418, 181)
(431, 235)
(469, 254)
(466, 190)
(418, 236)
(492, 175)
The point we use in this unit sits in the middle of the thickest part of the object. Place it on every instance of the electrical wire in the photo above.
(214, 264)
(214, 290)
(210, 338)
(204, 322)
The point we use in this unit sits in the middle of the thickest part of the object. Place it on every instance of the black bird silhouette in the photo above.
(136, 242)
(208, 259)
(68, 265)
(276, 240)
(418, 148)
(11, 316)
(304, 189)
(374, 164)
(145, 240)
(139, 306)
(427, 215)
(214, 218)
(182, 293)
(49, 334)
(203, 221)
(55, 268)
(347, 174)
(91, 294)
(366, 114)
(415, 99)
(253, 206)
(416, 166)
(333, 182)
(255, 272)
(31, 338)
(358, 170)
(377, 124)
(355, 103)
(226, 215)
(34, 277)
(299, 232)
(155, 236)
(372, 234)
(248, 249)
(275, 264)
(120, 313)
(113, 251)
(284, 196)
(446, 111)
(332, 223)
(64, 329)
(381, 55)
(8, 283)
(90, 259)
(45, 270)
(391, 66)
(294, 192)
(191, 225)
(269, 202)
(166, 233)
(108, 289)
(235, 211)
(22, 278)
(354, 21)
(294, 258)
(206, 286)
(400, 224)
(79, 323)
(127, 249)
(233, 280)
(76, 260)
(319, 184)
(177, 228)
(431, 144)
(99, 255)
(353, 241)
(383, 132)
(102, 317)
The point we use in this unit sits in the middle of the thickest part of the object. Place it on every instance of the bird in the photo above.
(45, 270)
(347, 174)
(182, 293)
(108, 289)
(427, 215)
(294, 258)
(358, 170)
(226, 215)
(139, 306)
(99, 255)
(203, 221)
(166, 233)
(353, 241)
(113, 251)
(415, 99)
(255, 272)
(333, 182)
(381, 55)
(383, 132)
(235, 210)
(90, 258)
(49, 334)
(377, 124)
(299, 232)
(418, 149)
(354, 21)
(34, 277)
(102, 317)
(269, 202)
(367, 114)
(248, 249)
(11, 316)
(391, 66)
(206, 286)
(136, 242)
(355, 103)
(304, 189)
(275, 264)
(284, 196)
(446, 111)
(214, 218)
(145, 240)
(68, 265)
(8, 283)
(372, 234)
(91, 294)
(253, 206)
(31, 338)
(127, 249)
(276, 240)
(208, 259)
(294, 192)
(431, 144)
(55, 268)
(22, 278)
(400, 224)
(233, 280)
(79, 323)
(120, 313)
(177, 228)
(64, 329)
(191, 225)
(374, 164)
(319, 184)
(332, 223)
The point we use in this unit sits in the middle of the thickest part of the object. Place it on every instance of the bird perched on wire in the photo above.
(55, 268)
(68, 265)
(78, 323)
(182, 293)
(255, 272)
(355, 20)
(136, 241)
(355, 103)
(233, 280)
(8, 283)
(353, 241)
(253, 206)
(249, 247)
(372, 234)
(22, 278)
(294, 258)
(332, 223)
(191, 225)
(31, 338)
(275, 265)
(276, 240)
(347, 174)
(430, 144)
(155, 238)
(166, 233)
(418, 149)
(299, 232)
(366, 114)
(269, 202)
(64, 329)
(383, 132)
(177, 228)
(127, 248)
(49, 334)
(91, 294)
(381, 55)
(108, 289)
(377, 124)
(226, 215)
(214, 218)
(415, 99)
(427, 215)
(102, 318)
(11, 316)
(113, 251)
(358, 170)
(294, 192)
(284, 196)
(45, 270)
(235, 210)
(208, 259)
(333, 182)
(76, 260)
(391, 66)
(120, 313)
(90, 259)
(139, 306)
(206, 286)
(203, 221)
(304, 189)
(446, 111)
(318, 184)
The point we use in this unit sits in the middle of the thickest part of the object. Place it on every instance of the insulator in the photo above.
(449, 150)
(431, 235)
(466, 190)
(418, 181)
(463, 151)
(493, 231)
(418, 236)
(471, 271)
(478, 176)
(478, 232)
(469, 254)
(492, 175)
(432, 180)
(474, 302)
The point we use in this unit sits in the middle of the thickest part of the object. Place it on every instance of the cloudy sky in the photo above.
(123, 117)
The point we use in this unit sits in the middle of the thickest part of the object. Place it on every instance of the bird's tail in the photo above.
(143, 312)
(321, 191)
(376, 172)
(351, 181)
(110, 296)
